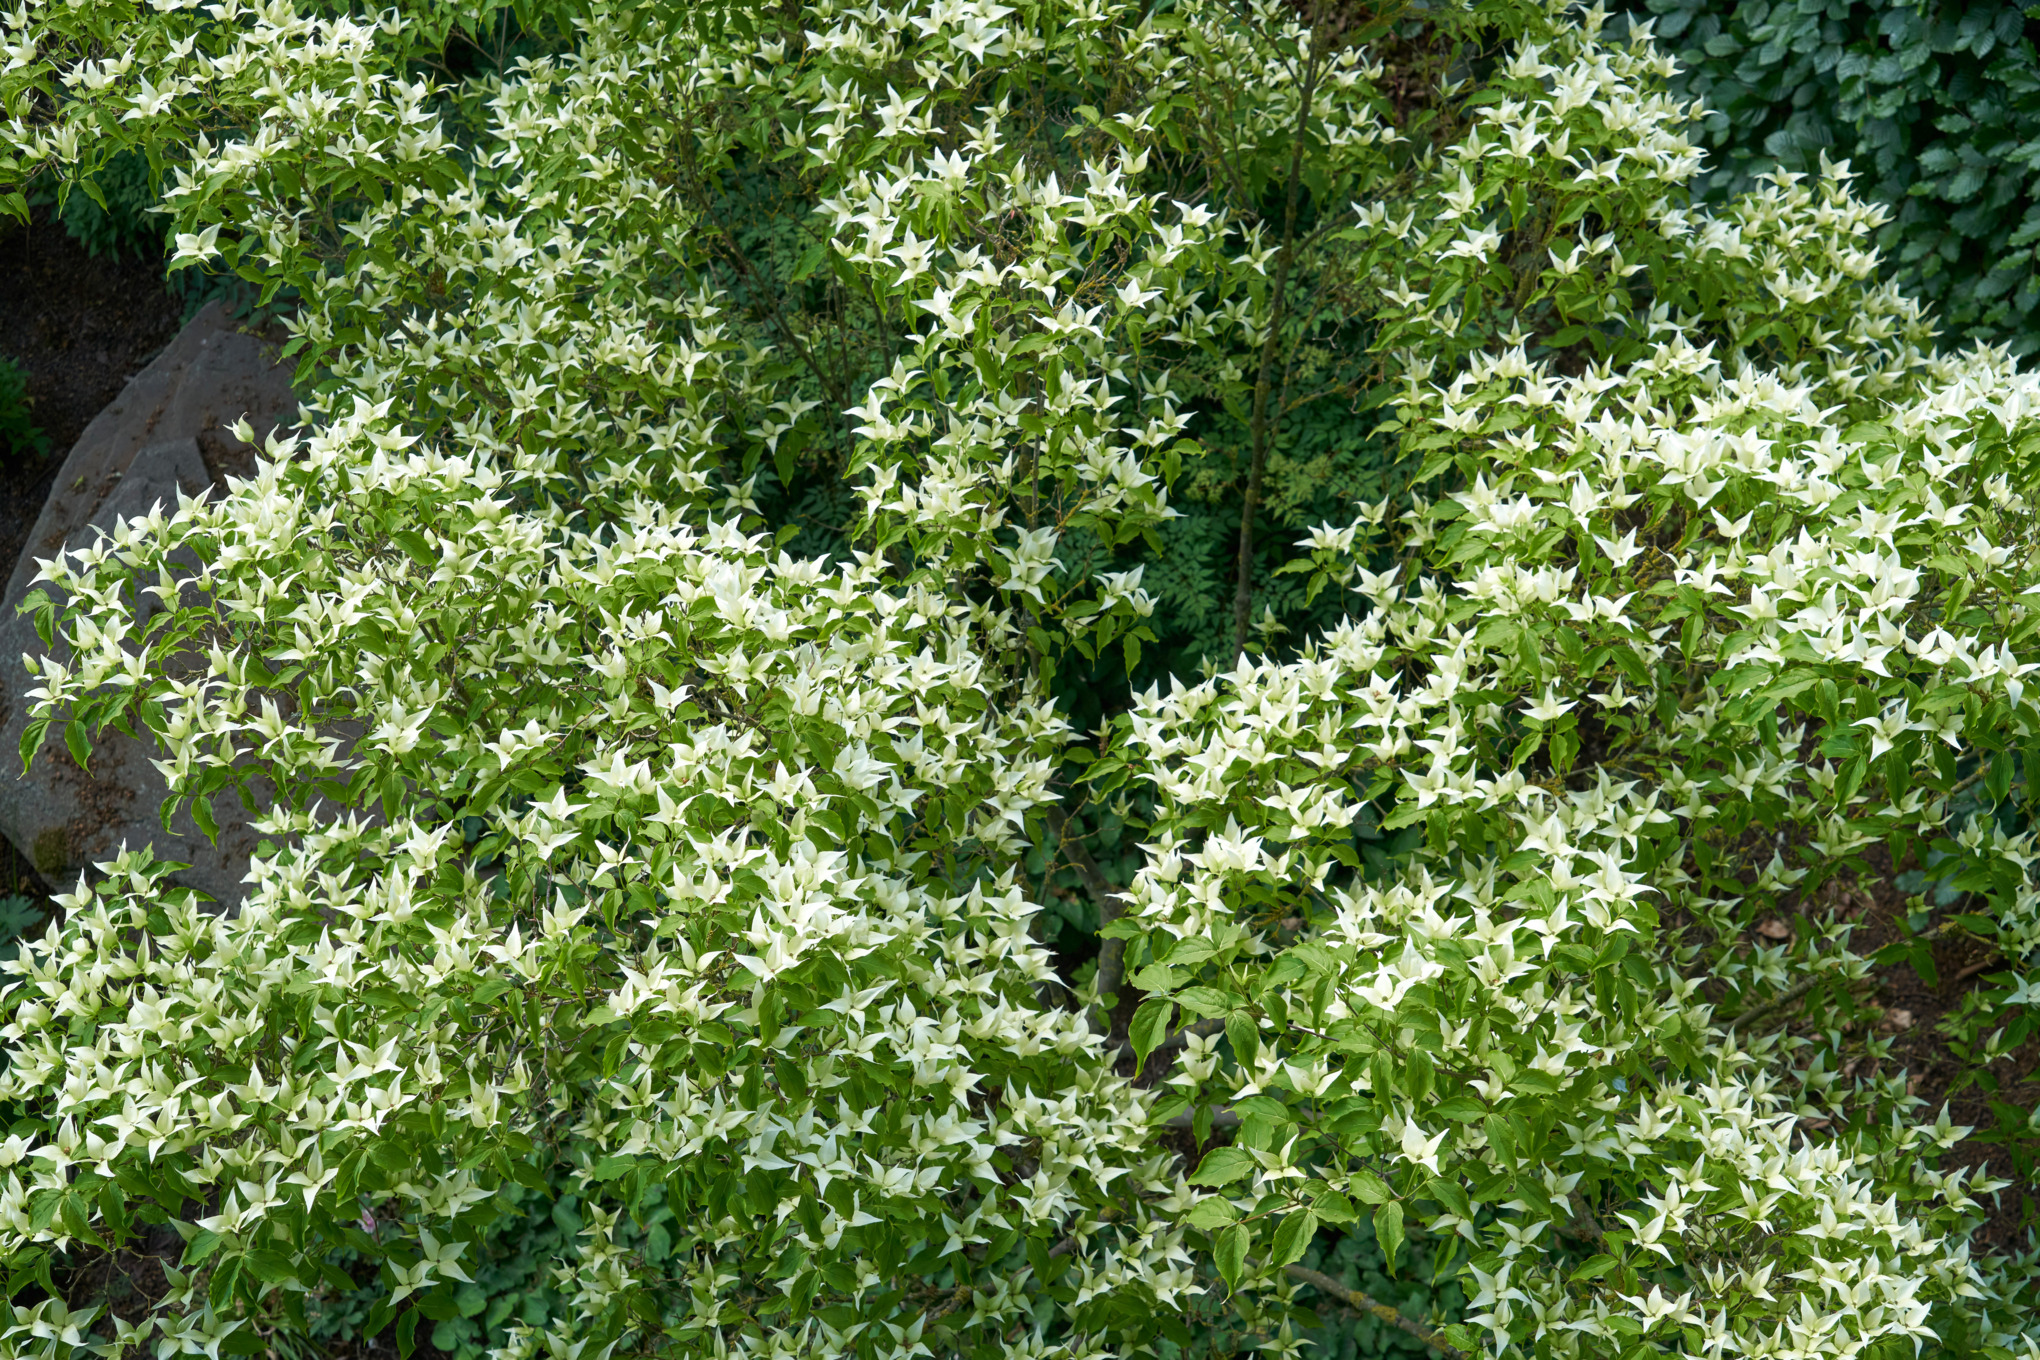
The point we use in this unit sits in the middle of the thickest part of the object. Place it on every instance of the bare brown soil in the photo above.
(1914, 1010)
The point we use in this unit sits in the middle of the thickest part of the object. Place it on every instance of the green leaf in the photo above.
(74, 1209)
(270, 1267)
(1923, 963)
(418, 550)
(1388, 1231)
(1460, 1109)
(77, 742)
(1206, 1002)
(1293, 1237)
(1501, 1138)
(1998, 782)
(1369, 1188)
(1265, 1108)
(1244, 1036)
(1404, 815)
(489, 991)
(1334, 1207)
(1594, 1267)
(1851, 779)
(243, 1340)
(1450, 1194)
(1222, 1166)
(1150, 1026)
(1212, 1213)
(202, 1244)
(810, 261)
(1156, 977)
(202, 813)
(32, 740)
(1229, 1253)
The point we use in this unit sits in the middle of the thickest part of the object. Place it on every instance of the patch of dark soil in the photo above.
(1916, 1004)
(81, 326)
(130, 1283)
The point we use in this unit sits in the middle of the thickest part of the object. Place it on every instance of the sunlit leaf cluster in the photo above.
(607, 830)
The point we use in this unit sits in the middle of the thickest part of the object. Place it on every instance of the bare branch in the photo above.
(1372, 1307)
(1111, 953)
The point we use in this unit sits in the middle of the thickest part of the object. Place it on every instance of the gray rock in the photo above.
(165, 433)
(207, 378)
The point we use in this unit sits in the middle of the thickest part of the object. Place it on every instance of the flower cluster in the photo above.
(604, 830)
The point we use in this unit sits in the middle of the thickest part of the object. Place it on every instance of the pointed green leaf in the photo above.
(1229, 1253)
(77, 742)
(1212, 1213)
(1369, 1188)
(1293, 1237)
(1388, 1231)
(1150, 1026)
(1244, 1036)
(1223, 1166)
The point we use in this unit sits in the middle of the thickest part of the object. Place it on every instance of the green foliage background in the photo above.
(20, 436)
(514, 1282)
(115, 213)
(1935, 105)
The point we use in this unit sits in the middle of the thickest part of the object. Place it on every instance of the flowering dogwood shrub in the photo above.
(600, 825)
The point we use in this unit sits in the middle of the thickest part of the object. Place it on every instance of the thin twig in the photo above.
(1973, 969)
(1584, 1223)
(1787, 997)
(1261, 434)
(1963, 785)
(1374, 1308)
(1111, 952)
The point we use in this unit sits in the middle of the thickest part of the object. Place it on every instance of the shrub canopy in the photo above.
(604, 826)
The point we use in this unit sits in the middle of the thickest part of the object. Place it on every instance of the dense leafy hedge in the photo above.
(1936, 105)
(629, 856)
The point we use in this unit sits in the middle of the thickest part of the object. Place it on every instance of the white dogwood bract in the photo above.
(600, 824)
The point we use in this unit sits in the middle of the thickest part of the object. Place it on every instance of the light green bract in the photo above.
(601, 825)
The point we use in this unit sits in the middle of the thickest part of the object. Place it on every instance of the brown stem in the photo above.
(1963, 785)
(1788, 996)
(1069, 1244)
(959, 1297)
(1111, 953)
(1374, 1308)
(769, 290)
(1584, 1224)
(1973, 969)
(1260, 434)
